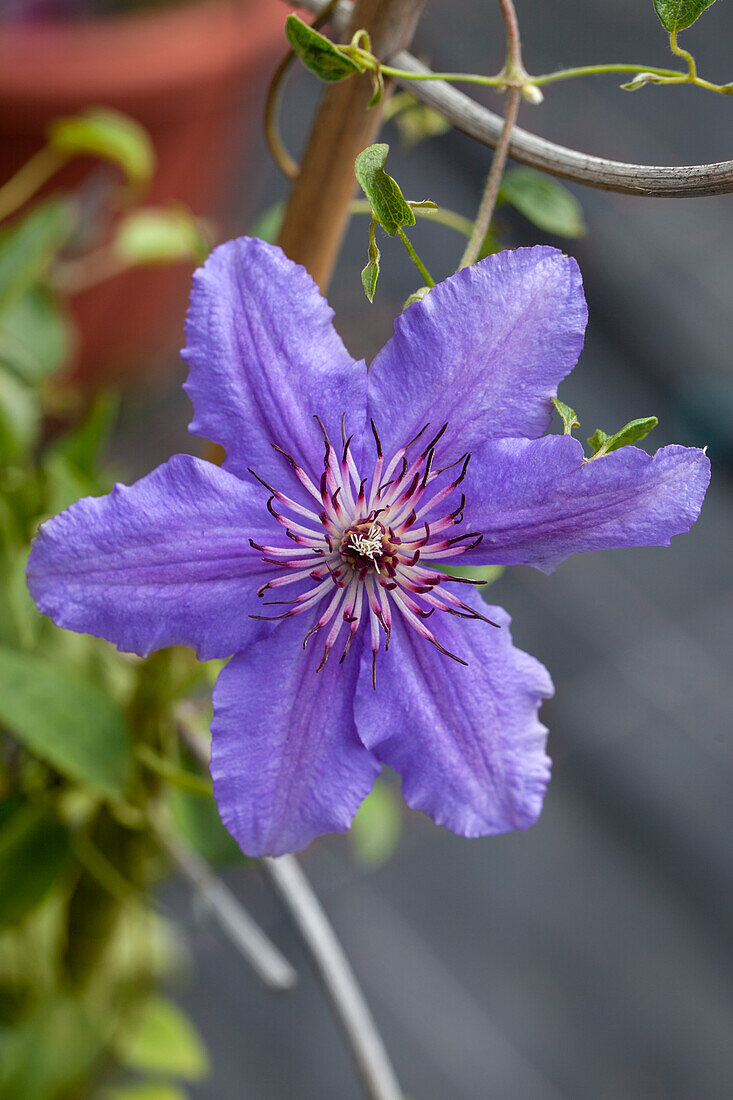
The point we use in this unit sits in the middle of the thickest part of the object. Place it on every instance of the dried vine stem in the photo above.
(498, 164)
(652, 181)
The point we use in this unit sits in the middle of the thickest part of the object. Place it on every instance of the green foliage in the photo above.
(35, 852)
(602, 443)
(146, 1091)
(51, 1055)
(158, 1038)
(389, 205)
(198, 822)
(267, 225)
(377, 827)
(318, 53)
(35, 339)
(65, 720)
(676, 15)
(370, 274)
(79, 722)
(20, 415)
(29, 246)
(415, 121)
(160, 236)
(108, 134)
(567, 415)
(544, 202)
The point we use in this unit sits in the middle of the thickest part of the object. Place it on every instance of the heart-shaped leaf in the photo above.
(318, 53)
(676, 15)
(390, 207)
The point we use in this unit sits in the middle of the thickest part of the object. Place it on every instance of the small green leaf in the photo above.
(642, 79)
(603, 444)
(102, 132)
(390, 208)
(64, 1032)
(146, 1091)
(85, 444)
(416, 296)
(414, 121)
(29, 246)
(318, 53)
(20, 418)
(197, 820)
(377, 827)
(598, 440)
(567, 415)
(370, 274)
(35, 335)
(267, 225)
(676, 15)
(544, 202)
(160, 236)
(486, 574)
(65, 720)
(159, 1038)
(35, 851)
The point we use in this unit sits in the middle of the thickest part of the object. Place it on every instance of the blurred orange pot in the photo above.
(189, 74)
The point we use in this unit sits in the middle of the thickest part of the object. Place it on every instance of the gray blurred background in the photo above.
(590, 956)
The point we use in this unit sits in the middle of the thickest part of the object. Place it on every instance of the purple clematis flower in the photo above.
(308, 551)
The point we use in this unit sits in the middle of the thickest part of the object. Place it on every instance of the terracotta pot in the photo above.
(189, 74)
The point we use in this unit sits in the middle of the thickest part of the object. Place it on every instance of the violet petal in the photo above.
(484, 350)
(538, 501)
(286, 761)
(166, 561)
(466, 740)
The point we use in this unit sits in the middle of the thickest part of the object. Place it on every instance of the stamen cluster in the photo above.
(365, 543)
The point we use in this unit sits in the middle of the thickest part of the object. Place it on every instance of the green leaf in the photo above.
(567, 415)
(160, 236)
(267, 225)
(65, 720)
(84, 446)
(676, 15)
(63, 1031)
(318, 53)
(414, 121)
(29, 246)
(146, 1091)
(603, 444)
(370, 274)
(35, 851)
(159, 1038)
(598, 440)
(642, 79)
(20, 417)
(377, 827)
(108, 134)
(487, 574)
(35, 335)
(544, 202)
(197, 820)
(385, 198)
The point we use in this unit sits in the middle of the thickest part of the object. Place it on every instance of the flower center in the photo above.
(360, 548)
(365, 546)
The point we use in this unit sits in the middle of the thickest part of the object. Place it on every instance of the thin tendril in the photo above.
(287, 165)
